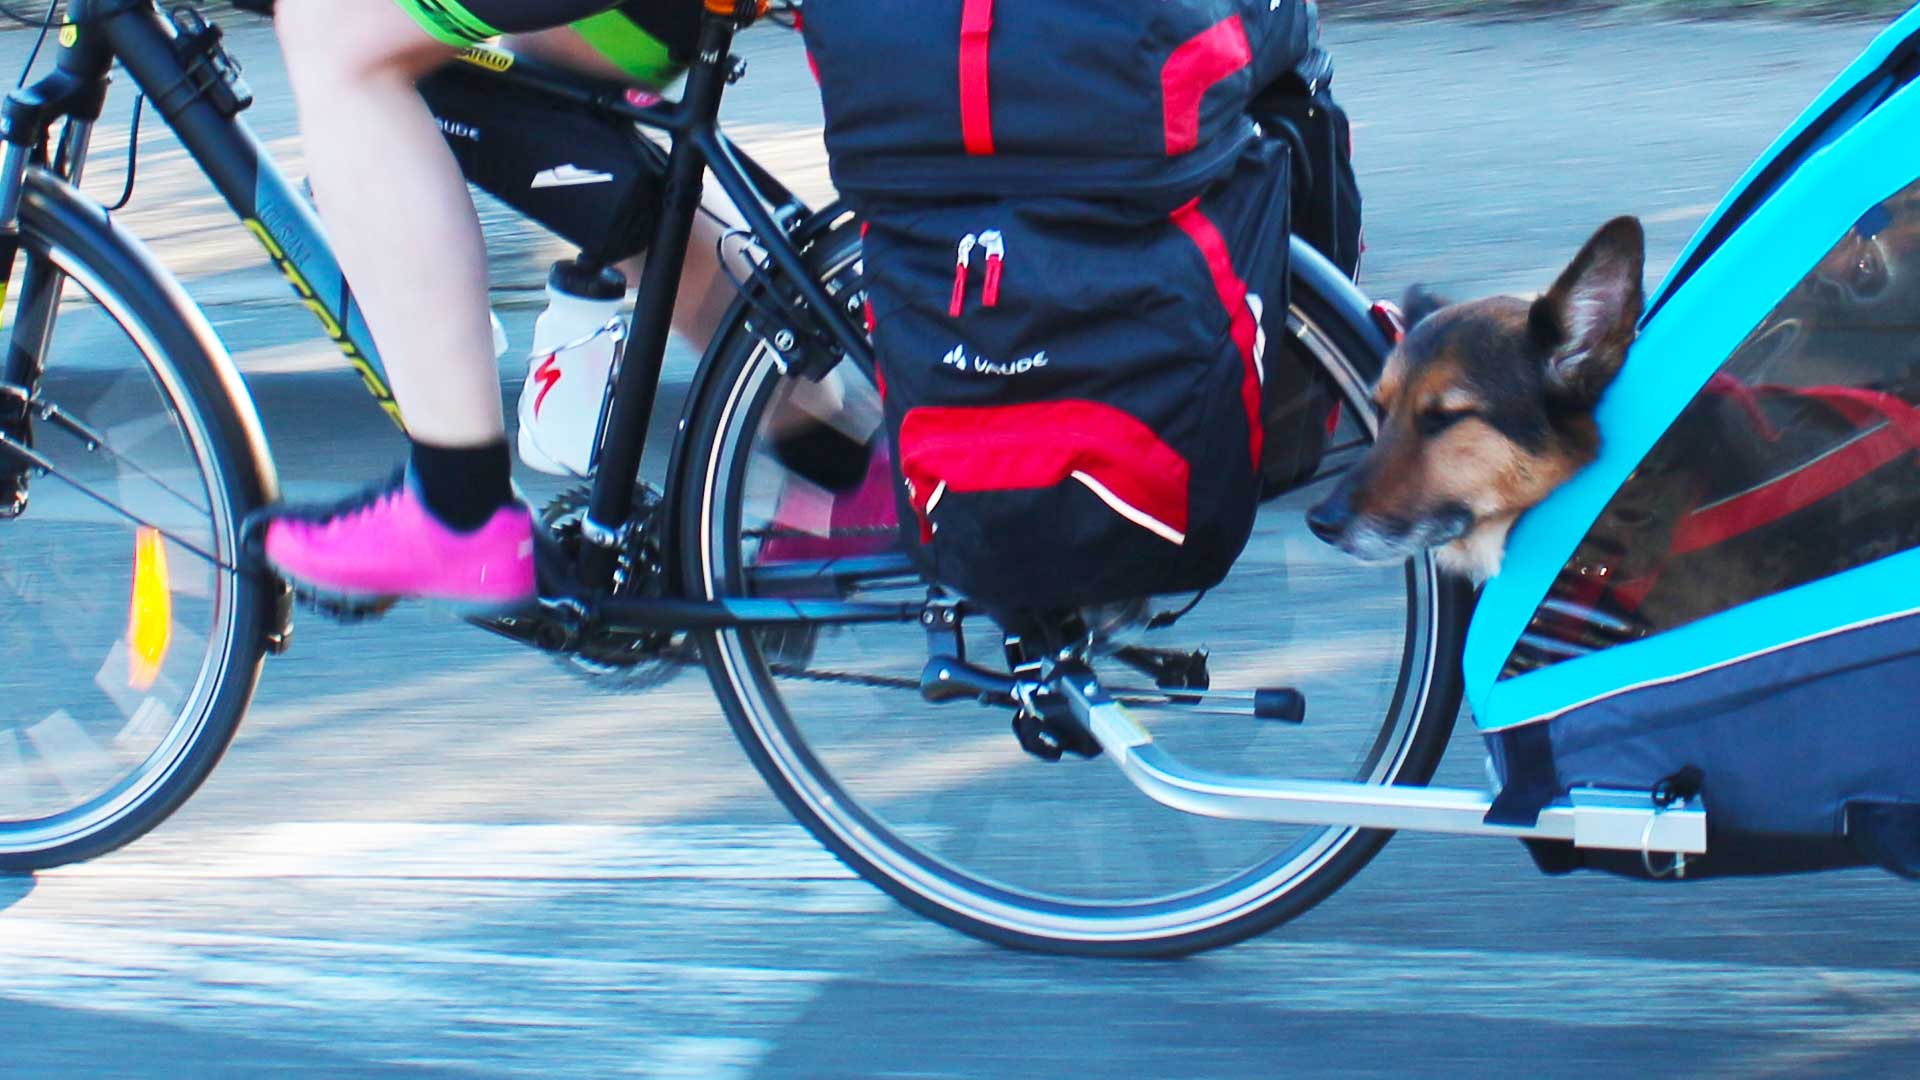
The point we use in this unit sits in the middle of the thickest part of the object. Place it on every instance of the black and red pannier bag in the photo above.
(932, 98)
(1076, 249)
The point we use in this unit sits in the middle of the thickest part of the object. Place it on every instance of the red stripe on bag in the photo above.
(976, 108)
(1233, 296)
(1043, 444)
(1195, 68)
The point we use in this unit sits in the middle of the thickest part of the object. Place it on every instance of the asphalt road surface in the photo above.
(430, 854)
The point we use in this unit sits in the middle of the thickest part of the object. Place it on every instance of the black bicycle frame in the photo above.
(193, 85)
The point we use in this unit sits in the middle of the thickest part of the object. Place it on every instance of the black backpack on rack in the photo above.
(1076, 250)
(1301, 409)
(1299, 106)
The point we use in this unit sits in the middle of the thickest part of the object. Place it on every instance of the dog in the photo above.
(1485, 408)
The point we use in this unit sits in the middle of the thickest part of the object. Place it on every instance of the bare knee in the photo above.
(334, 44)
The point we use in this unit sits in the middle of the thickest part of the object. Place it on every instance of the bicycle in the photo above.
(141, 471)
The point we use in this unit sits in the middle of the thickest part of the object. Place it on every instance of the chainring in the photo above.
(620, 661)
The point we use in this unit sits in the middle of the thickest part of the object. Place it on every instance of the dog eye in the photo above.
(1436, 420)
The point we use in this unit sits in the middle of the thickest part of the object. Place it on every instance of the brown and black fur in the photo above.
(1486, 407)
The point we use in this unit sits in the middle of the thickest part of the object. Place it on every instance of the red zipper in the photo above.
(996, 246)
(960, 264)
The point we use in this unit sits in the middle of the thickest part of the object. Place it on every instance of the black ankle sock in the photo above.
(825, 455)
(464, 486)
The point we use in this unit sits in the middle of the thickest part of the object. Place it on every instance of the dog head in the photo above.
(1486, 407)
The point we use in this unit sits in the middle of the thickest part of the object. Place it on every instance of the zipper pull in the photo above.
(960, 264)
(996, 247)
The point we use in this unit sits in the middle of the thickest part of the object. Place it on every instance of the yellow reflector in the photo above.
(150, 621)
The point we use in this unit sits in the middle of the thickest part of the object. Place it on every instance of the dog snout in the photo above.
(1330, 520)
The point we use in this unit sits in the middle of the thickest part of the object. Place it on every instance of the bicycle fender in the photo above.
(1314, 273)
(61, 198)
(49, 194)
(806, 236)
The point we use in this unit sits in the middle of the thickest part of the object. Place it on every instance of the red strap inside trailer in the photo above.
(1890, 430)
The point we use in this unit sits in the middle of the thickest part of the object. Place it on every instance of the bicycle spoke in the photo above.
(35, 460)
(92, 439)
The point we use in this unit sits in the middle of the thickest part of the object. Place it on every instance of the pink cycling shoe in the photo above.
(811, 523)
(386, 545)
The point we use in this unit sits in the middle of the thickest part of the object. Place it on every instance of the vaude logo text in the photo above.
(958, 359)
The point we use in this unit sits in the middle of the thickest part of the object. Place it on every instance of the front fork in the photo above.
(75, 90)
(40, 289)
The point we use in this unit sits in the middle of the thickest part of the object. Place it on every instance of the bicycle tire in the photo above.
(185, 358)
(736, 356)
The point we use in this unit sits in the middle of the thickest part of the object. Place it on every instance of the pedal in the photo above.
(342, 609)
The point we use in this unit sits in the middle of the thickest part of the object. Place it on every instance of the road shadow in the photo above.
(15, 888)
(1012, 1017)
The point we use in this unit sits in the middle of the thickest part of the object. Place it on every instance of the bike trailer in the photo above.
(1076, 253)
(1724, 608)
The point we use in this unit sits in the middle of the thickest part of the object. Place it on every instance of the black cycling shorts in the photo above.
(650, 40)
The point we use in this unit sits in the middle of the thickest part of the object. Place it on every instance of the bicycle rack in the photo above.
(1590, 818)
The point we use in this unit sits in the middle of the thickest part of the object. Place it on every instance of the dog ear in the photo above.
(1417, 304)
(1589, 317)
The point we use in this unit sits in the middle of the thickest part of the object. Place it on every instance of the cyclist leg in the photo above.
(824, 430)
(397, 210)
(639, 55)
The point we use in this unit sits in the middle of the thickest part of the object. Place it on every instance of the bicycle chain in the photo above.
(845, 678)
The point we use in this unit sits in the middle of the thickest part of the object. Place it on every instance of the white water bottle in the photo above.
(568, 370)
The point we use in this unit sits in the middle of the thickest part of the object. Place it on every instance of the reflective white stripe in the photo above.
(1716, 666)
(1130, 512)
(933, 500)
(1259, 309)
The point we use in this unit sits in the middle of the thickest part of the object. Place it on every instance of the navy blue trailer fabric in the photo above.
(1787, 742)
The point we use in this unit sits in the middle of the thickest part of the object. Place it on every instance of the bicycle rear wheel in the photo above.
(132, 641)
(940, 807)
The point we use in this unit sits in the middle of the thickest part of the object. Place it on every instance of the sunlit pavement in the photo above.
(431, 854)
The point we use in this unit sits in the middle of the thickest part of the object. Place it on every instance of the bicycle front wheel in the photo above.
(940, 807)
(132, 640)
